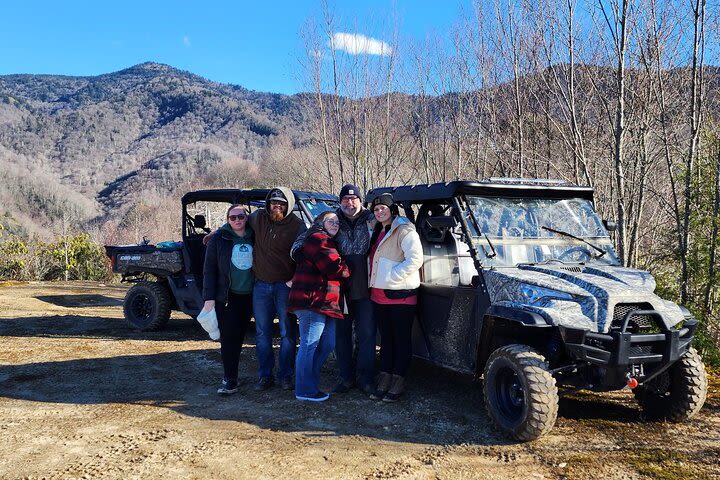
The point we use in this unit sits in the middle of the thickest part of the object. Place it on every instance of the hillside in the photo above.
(81, 146)
(82, 150)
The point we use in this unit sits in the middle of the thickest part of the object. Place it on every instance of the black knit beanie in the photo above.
(350, 189)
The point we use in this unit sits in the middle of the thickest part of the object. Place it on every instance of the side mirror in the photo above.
(610, 225)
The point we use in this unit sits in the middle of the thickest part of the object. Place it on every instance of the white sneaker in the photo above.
(318, 397)
(227, 388)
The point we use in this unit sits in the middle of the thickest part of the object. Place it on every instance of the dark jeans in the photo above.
(395, 324)
(233, 320)
(361, 314)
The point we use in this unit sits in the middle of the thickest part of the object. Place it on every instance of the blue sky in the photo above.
(254, 44)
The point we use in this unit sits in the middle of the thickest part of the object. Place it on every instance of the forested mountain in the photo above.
(79, 147)
(79, 152)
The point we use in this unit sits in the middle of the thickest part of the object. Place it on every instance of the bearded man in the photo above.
(276, 228)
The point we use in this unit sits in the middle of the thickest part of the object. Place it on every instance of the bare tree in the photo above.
(615, 14)
(694, 117)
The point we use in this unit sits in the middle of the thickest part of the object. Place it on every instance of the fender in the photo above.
(504, 325)
(515, 315)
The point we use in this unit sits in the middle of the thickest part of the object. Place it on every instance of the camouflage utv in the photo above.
(169, 277)
(521, 285)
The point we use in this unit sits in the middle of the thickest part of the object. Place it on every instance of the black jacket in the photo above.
(216, 271)
(353, 241)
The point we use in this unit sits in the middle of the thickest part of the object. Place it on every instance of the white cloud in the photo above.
(356, 44)
(186, 41)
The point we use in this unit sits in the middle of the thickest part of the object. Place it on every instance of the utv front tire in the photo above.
(147, 306)
(521, 396)
(678, 393)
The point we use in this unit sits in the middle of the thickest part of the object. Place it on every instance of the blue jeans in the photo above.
(317, 340)
(269, 300)
(361, 314)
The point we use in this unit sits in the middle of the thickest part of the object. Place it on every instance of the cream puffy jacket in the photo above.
(398, 258)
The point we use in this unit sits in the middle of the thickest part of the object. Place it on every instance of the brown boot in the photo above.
(383, 386)
(396, 389)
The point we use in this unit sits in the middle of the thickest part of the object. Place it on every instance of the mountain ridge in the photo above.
(93, 147)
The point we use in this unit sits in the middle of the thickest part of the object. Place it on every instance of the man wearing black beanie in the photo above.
(356, 224)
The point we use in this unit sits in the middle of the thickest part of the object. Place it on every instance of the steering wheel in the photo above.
(583, 254)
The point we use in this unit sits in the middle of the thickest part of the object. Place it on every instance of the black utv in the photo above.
(169, 276)
(521, 285)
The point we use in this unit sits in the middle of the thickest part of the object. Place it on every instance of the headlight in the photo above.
(533, 294)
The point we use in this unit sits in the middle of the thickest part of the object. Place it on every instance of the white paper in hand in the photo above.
(208, 321)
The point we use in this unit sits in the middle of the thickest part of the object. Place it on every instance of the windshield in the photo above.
(514, 231)
(316, 207)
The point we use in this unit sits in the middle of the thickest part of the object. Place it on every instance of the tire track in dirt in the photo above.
(463, 460)
(124, 452)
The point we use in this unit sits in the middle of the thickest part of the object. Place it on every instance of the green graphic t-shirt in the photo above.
(241, 276)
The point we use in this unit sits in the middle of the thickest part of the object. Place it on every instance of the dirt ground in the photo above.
(83, 396)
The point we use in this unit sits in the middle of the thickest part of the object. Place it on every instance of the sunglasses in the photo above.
(335, 223)
(232, 218)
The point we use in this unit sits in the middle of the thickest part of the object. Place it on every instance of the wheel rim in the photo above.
(141, 307)
(509, 393)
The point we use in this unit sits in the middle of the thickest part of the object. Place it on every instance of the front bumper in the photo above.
(618, 353)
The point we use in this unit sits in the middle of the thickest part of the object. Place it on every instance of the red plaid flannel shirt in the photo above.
(316, 284)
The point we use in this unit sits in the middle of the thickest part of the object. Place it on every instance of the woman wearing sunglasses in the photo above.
(315, 299)
(227, 287)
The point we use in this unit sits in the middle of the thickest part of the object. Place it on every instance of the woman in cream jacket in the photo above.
(394, 263)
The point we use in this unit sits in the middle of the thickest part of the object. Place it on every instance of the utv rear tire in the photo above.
(147, 306)
(521, 396)
(678, 393)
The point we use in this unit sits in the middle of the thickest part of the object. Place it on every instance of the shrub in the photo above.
(72, 257)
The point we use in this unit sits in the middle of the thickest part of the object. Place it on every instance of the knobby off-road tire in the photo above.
(678, 393)
(521, 396)
(147, 305)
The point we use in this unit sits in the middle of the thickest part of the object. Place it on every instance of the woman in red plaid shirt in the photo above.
(315, 299)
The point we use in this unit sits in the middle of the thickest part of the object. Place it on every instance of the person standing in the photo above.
(315, 298)
(276, 228)
(394, 260)
(353, 239)
(227, 287)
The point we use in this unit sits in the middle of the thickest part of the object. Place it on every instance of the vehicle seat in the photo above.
(194, 252)
(198, 223)
(440, 265)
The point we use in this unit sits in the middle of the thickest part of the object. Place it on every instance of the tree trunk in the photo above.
(695, 114)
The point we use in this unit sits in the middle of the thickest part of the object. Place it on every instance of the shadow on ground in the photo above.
(81, 326)
(596, 407)
(438, 408)
(81, 301)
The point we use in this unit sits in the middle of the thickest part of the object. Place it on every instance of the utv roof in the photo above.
(236, 195)
(514, 188)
